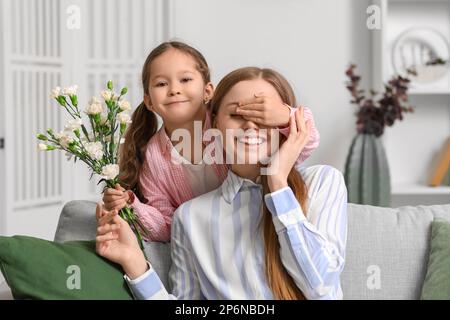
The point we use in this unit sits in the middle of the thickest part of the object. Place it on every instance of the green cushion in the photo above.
(41, 269)
(437, 280)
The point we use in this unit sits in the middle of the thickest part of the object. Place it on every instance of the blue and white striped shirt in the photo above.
(218, 249)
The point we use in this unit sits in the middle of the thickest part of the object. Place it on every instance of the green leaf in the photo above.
(110, 85)
(124, 91)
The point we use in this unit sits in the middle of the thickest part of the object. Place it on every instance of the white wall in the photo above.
(309, 42)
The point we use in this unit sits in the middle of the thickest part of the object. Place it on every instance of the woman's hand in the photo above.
(115, 199)
(265, 110)
(116, 241)
(284, 159)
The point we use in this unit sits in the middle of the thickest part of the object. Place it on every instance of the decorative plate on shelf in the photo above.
(425, 50)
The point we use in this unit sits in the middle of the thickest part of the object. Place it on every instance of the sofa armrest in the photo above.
(77, 221)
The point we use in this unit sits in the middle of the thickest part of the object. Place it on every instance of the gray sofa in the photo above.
(386, 257)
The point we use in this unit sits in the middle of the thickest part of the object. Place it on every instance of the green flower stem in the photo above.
(71, 108)
(111, 144)
(93, 127)
(106, 146)
(85, 160)
(65, 107)
(118, 146)
(130, 217)
(84, 149)
(86, 134)
(91, 163)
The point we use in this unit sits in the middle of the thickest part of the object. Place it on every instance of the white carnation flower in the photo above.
(123, 117)
(56, 92)
(42, 147)
(94, 99)
(64, 138)
(94, 107)
(110, 171)
(124, 105)
(73, 124)
(107, 94)
(94, 149)
(70, 91)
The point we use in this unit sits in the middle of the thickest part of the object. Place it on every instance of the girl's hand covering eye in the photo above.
(265, 110)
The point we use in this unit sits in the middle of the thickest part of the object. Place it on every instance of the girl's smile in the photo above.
(176, 103)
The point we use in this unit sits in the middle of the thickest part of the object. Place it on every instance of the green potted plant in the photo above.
(366, 169)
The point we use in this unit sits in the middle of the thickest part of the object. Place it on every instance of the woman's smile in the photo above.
(251, 138)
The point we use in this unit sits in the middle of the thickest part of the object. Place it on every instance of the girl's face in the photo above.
(177, 90)
(244, 137)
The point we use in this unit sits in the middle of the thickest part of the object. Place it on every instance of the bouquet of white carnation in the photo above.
(98, 147)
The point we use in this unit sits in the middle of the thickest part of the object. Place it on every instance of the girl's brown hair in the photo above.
(280, 282)
(144, 122)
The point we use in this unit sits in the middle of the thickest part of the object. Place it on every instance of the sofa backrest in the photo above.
(386, 256)
(387, 250)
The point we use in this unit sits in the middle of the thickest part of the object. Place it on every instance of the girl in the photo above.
(177, 87)
(223, 245)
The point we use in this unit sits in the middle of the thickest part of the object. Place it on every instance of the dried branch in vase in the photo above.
(373, 115)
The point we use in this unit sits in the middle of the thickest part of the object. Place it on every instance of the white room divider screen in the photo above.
(46, 43)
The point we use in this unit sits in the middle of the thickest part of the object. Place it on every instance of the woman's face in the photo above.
(245, 141)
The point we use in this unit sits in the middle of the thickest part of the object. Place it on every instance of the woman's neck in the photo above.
(247, 171)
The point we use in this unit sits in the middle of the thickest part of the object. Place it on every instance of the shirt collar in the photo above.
(233, 184)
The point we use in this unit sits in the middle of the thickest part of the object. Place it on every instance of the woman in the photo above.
(229, 243)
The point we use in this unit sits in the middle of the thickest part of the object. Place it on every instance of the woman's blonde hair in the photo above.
(144, 122)
(280, 282)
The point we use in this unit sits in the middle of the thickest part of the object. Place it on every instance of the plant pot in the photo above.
(366, 173)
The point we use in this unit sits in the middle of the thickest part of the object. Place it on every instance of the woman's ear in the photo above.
(209, 92)
(148, 102)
